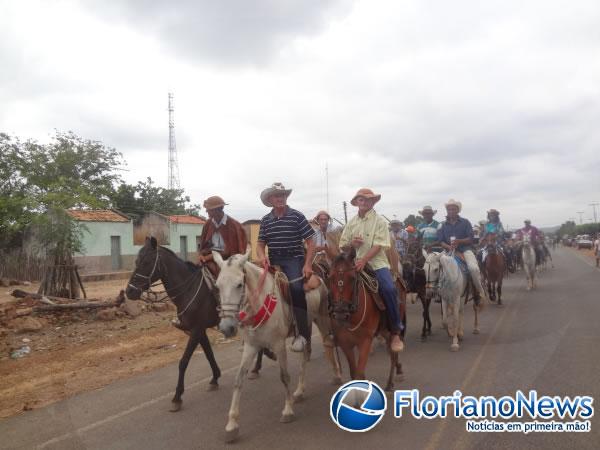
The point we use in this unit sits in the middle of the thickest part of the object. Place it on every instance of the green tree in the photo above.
(146, 196)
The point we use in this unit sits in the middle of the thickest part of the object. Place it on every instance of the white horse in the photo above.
(528, 258)
(238, 283)
(445, 277)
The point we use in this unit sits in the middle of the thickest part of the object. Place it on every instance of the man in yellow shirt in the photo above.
(368, 233)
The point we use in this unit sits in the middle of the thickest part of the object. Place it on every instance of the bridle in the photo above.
(146, 277)
(183, 285)
(341, 306)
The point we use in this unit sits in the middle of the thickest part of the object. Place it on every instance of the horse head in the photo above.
(232, 290)
(342, 284)
(147, 269)
(432, 274)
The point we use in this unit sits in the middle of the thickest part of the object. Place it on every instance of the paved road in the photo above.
(548, 339)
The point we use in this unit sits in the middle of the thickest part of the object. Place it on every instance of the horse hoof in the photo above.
(476, 331)
(298, 398)
(175, 406)
(454, 347)
(336, 381)
(212, 387)
(287, 418)
(253, 375)
(231, 436)
(389, 387)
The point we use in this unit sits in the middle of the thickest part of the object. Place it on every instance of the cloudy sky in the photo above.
(494, 103)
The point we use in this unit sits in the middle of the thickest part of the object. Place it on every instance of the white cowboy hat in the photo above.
(455, 203)
(276, 188)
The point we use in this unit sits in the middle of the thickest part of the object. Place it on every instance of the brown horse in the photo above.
(494, 268)
(356, 319)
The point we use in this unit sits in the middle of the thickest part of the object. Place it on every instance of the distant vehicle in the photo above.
(584, 241)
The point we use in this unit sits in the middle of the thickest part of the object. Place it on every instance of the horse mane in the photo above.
(188, 264)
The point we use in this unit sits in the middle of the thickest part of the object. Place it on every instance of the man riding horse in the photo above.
(456, 234)
(367, 232)
(284, 230)
(428, 230)
(534, 236)
(325, 249)
(491, 233)
(221, 233)
(399, 237)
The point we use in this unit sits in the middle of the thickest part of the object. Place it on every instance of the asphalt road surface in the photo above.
(547, 339)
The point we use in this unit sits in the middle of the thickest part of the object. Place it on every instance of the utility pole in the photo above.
(345, 211)
(173, 179)
(327, 184)
(580, 216)
(593, 205)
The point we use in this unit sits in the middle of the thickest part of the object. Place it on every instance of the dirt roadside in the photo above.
(76, 353)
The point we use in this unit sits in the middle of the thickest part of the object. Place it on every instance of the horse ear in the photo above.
(352, 253)
(217, 258)
(246, 256)
(153, 242)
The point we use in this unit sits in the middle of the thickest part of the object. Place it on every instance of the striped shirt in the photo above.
(285, 235)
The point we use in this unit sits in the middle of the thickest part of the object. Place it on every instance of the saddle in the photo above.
(370, 281)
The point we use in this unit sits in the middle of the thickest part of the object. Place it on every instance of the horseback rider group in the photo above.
(287, 240)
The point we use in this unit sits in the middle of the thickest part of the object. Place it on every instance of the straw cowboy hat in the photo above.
(493, 211)
(366, 193)
(276, 188)
(454, 203)
(214, 202)
(320, 213)
(428, 208)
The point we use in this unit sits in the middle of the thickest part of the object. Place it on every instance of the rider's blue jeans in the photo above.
(387, 290)
(292, 267)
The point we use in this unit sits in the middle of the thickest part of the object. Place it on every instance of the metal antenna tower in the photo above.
(173, 180)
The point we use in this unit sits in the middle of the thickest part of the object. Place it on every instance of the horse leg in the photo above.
(328, 348)
(427, 305)
(193, 341)
(205, 343)
(425, 315)
(453, 325)
(232, 428)
(253, 375)
(349, 352)
(499, 289)
(476, 319)
(393, 368)
(287, 415)
(299, 392)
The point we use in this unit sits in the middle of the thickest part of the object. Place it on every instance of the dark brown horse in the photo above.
(415, 280)
(189, 288)
(356, 319)
(494, 268)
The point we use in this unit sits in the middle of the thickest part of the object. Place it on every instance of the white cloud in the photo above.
(495, 103)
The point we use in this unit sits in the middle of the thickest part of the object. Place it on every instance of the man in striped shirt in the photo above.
(284, 230)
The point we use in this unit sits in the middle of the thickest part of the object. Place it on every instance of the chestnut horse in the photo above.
(494, 268)
(356, 319)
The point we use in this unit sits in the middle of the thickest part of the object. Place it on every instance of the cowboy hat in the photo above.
(214, 202)
(366, 193)
(428, 208)
(320, 213)
(275, 188)
(453, 202)
(493, 211)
